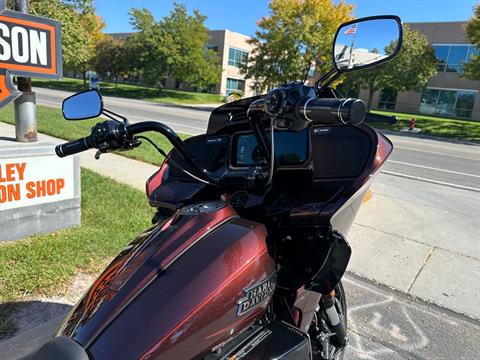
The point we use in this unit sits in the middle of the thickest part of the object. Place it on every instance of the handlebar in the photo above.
(332, 111)
(112, 135)
(74, 147)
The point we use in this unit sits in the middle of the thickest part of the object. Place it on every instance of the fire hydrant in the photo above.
(411, 126)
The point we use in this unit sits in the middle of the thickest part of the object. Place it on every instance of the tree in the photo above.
(175, 46)
(471, 69)
(296, 35)
(147, 44)
(187, 57)
(111, 58)
(81, 29)
(410, 70)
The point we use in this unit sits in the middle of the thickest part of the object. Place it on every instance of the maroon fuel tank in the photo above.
(178, 290)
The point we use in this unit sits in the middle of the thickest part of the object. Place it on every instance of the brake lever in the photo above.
(101, 150)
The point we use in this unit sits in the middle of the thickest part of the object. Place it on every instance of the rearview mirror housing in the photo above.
(84, 105)
(366, 42)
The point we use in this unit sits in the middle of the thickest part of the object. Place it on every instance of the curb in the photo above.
(429, 137)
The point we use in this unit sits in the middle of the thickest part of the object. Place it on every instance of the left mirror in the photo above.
(84, 105)
(367, 42)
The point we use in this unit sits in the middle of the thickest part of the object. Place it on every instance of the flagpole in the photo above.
(351, 48)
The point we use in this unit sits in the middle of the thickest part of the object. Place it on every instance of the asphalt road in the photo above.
(448, 163)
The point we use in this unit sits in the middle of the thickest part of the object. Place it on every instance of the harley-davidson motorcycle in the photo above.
(247, 251)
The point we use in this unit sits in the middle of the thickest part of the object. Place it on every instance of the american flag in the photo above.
(351, 31)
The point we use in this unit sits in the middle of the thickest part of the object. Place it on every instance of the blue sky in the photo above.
(241, 15)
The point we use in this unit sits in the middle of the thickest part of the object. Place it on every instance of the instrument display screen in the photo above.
(291, 148)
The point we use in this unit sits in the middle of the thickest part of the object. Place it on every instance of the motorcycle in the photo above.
(247, 249)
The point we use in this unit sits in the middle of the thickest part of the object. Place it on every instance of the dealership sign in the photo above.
(30, 46)
(35, 180)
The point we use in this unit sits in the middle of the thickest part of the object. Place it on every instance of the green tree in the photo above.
(296, 35)
(81, 29)
(111, 58)
(147, 44)
(472, 68)
(410, 70)
(175, 46)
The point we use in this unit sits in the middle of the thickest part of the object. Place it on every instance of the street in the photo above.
(418, 235)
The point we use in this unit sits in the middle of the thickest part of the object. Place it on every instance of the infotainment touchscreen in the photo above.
(291, 148)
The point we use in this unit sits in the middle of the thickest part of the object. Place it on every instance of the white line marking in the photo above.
(430, 181)
(434, 152)
(432, 168)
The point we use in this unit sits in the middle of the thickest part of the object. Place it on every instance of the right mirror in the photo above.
(366, 42)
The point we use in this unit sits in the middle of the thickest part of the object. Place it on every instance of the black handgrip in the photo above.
(74, 147)
(332, 111)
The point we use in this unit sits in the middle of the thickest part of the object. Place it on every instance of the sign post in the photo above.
(25, 105)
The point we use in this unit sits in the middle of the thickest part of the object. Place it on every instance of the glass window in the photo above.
(234, 85)
(388, 99)
(445, 102)
(451, 57)
(465, 103)
(472, 50)
(237, 57)
(428, 101)
(456, 58)
(212, 47)
(442, 55)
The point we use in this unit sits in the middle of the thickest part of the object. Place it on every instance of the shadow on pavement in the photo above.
(26, 325)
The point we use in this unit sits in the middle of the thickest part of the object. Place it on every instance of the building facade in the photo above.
(447, 94)
(233, 50)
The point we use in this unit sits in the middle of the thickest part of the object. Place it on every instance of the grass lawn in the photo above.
(431, 125)
(133, 91)
(51, 122)
(45, 264)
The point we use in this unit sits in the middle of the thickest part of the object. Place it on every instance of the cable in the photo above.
(174, 163)
(272, 152)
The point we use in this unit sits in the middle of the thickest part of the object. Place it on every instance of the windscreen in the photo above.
(291, 148)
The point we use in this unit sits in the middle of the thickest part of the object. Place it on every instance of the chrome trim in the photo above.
(305, 110)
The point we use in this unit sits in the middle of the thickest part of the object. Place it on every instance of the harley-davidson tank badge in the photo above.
(255, 294)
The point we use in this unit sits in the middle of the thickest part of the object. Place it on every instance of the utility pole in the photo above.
(25, 104)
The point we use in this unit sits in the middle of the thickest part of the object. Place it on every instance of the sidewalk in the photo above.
(421, 239)
(398, 239)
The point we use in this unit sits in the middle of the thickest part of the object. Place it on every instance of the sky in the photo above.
(241, 15)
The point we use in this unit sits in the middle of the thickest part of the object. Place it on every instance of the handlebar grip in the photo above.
(73, 147)
(332, 111)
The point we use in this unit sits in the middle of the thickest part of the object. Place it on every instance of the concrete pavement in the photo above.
(422, 239)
